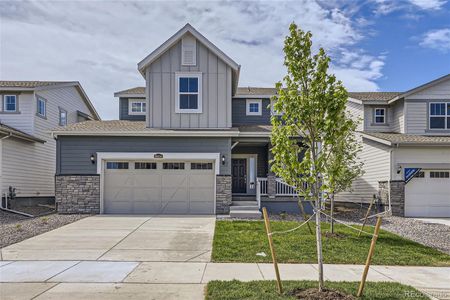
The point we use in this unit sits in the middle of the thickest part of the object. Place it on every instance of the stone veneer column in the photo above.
(223, 194)
(78, 194)
(397, 196)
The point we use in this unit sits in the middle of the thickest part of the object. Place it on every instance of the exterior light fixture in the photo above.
(93, 158)
(223, 159)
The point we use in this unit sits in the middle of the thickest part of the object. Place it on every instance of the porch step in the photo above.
(245, 214)
(244, 198)
(244, 203)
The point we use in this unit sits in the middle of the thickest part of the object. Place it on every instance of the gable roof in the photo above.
(138, 91)
(143, 64)
(11, 131)
(373, 96)
(42, 85)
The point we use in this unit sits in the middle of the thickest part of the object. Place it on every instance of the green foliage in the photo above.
(313, 104)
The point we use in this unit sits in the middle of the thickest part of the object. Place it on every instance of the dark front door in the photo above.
(239, 175)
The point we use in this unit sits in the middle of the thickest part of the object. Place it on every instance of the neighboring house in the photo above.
(29, 111)
(191, 142)
(406, 148)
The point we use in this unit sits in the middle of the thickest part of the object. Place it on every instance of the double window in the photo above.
(137, 107)
(188, 93)
(254, 107)
(439, 115)
(380, 115)
(41, 108)
(9, 103)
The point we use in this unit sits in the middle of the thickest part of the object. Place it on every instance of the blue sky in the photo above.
(375, 45)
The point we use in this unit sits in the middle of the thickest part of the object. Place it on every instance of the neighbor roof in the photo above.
(42, 85)
(11, 131)
(392, 138)
(373, 96)
(255, 91)
(136, 91)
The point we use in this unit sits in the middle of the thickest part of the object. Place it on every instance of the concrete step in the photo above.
(244, 203)
(244, 198)
(244, 207)
(244, 214)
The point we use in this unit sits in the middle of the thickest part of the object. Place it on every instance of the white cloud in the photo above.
(384, 7)
(438, 39)
(99, 43)
(429, 4)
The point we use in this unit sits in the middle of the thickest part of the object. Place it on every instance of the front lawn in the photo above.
(240, 241)
(227, 290)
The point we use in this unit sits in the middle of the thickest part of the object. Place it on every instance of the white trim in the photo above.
(197, 75)
(103, 156)
(375, 115)
(379, 140)
(16, 108)
(38, 99)
(253, 96)
(130, 106)
(153, 132)
(445, 116)
(420, 88)
(253, 101)
(357, 101)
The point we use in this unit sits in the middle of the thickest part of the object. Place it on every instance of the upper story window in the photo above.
(137, 107)
(41, 108)
(380, 115)
(62, 117)
(9, 103)
(254, 107)
(188, 93)
(439, 115)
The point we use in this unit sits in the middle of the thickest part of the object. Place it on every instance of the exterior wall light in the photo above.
(223, 159)
(93, 158)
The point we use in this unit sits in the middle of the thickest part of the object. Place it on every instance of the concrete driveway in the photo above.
(122, 238)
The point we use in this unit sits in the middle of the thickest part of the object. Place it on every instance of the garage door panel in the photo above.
(146, 207)
(201, 180)
(175, 207)
(202, 207)
(200, 194)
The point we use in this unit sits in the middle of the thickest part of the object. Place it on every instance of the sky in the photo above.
(374, 45)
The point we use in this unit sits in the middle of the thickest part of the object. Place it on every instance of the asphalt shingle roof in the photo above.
(373, 96)
(135, 90)
(29, 84)
(402, 138)
(8, 130)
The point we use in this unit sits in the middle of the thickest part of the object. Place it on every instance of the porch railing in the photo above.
(261, 189)
(281, 189)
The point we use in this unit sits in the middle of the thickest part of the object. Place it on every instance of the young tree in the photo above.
(313, 118)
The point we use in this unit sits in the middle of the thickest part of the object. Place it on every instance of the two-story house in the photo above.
(192, 142)
(29, 110)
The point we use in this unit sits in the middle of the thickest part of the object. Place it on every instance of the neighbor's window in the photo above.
(137, 107)
(439, 174)
(380, 115)
(145, 166)
(201, 166)
(10, 103)
(173, 166)
(440, 115)
(62, 117)
(254, 107)
(118, 165)
(41, 109)
(189, 96)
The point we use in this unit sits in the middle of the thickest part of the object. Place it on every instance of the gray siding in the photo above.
(123, 111)
(262, 160)
(239, 109)
(216, 91)
(74, 152)
(356, 113)
(397, 117)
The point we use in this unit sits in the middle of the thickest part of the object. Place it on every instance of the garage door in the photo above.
(428, 194)
(169, 187)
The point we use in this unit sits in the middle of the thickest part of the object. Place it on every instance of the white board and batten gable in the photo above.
(189, 83)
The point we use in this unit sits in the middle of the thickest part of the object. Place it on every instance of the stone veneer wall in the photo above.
(223, 194)
(77, 194)
(397, 196)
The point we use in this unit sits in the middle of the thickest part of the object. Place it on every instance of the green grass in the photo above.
(227, 290)
(239, 241)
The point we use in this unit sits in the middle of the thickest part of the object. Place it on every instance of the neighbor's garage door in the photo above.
(428, 194)
(172, 187)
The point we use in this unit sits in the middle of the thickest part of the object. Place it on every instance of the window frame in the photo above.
(16, 103)
(197, 75)
(61, 110)
(375, 116)
(446, 115)
(121, 165)
(135, 113)
(248, 103)
(38, 99)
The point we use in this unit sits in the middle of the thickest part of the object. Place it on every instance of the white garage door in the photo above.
(428, 194)
(169, 187)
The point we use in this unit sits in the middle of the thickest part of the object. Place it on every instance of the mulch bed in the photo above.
(314, 294)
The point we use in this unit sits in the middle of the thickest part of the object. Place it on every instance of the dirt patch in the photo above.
(314, 294)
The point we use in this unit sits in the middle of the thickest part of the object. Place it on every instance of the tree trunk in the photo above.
(331, 213)
(319, 245)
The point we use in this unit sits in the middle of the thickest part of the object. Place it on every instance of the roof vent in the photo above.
(188, 51)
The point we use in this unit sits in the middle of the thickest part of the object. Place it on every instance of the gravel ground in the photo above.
(16, 228)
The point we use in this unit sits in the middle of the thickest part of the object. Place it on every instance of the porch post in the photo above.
(271, 177)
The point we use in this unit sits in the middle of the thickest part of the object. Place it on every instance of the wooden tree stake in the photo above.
(369, 256)
(272, 250)
(367, 215)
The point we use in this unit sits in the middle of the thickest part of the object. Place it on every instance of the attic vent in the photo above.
(188, 51)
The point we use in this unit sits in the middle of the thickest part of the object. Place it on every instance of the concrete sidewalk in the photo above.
(186, 280)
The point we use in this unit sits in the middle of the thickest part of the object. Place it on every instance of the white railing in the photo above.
(261, 189)
(281, 189)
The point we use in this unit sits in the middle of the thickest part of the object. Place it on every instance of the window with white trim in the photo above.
(117, 165)
(439, 115)
(137, 107)
(188, 93)
(41, 109)
(254, 107)
(9, 103)
(62, 117)
(380, 115)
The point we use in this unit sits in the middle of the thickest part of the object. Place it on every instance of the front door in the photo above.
(239, 175)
